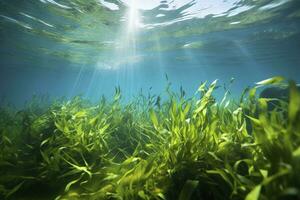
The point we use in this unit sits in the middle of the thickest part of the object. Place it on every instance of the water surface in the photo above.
(72, 47)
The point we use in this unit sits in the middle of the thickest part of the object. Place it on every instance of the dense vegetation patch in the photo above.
(179, 148)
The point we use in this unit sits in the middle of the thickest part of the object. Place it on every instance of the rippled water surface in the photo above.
(71, 47)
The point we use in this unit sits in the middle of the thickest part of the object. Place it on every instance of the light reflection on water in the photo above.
(96, 45)
(79, 31)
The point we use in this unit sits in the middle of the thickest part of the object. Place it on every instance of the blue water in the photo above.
(88, 47)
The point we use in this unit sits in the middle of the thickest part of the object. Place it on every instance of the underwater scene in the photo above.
(149, 100)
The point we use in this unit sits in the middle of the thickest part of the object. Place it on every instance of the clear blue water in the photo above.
(87, 47)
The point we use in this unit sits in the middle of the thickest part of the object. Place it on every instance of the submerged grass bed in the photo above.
(178, 148)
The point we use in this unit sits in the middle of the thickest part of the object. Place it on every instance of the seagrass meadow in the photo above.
(149, 100)
(154, 148)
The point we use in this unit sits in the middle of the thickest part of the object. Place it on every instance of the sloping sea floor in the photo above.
(154, 148)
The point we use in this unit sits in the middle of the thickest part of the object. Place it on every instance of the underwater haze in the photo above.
(68, 48)
(149, 99)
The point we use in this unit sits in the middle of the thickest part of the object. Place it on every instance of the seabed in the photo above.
(153, 148)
